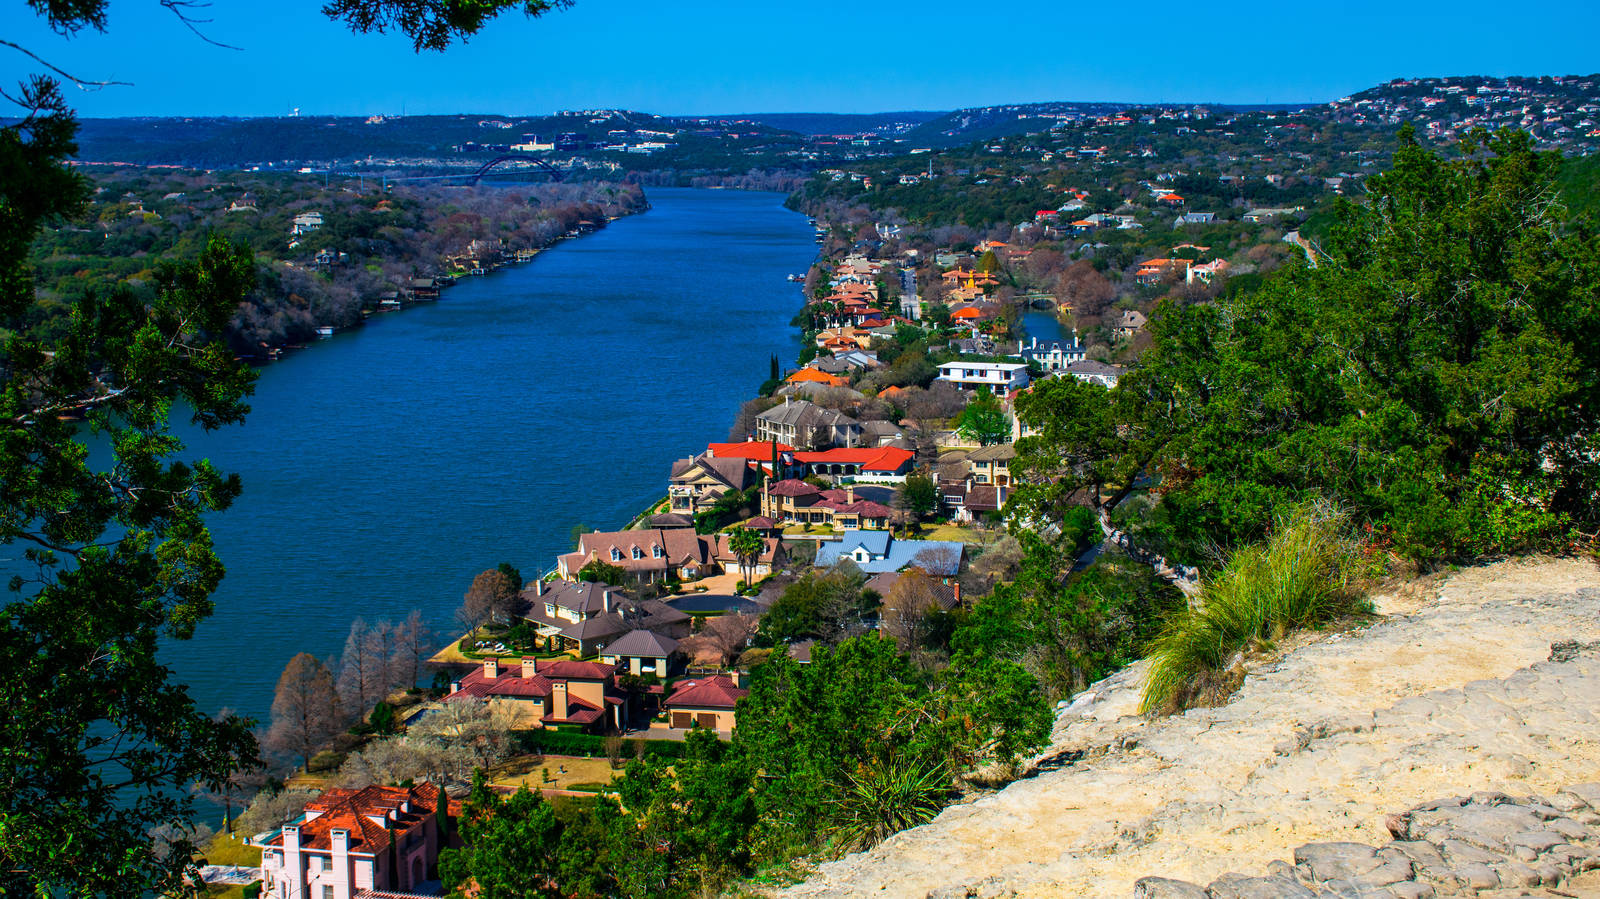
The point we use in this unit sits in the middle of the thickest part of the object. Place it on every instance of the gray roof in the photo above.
(643, 644)
(1000, 452)
(579, 596)
(887, 554)
(804, 413)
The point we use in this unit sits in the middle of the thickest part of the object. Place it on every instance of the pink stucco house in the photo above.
(350, 841)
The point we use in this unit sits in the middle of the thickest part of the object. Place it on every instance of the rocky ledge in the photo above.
(1485, 683)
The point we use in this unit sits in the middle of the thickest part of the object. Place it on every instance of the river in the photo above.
(386, 466)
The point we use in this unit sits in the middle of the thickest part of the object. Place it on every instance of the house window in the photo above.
(327, 891)
(616, 554)
(657, 552)
(638, 553)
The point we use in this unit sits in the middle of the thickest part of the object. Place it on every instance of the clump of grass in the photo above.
(1308, 572)
(884, 798)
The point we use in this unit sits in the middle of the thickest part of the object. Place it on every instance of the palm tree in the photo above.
(747, 545)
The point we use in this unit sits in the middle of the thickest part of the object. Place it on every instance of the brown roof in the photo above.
(715, 692)
(793, 487)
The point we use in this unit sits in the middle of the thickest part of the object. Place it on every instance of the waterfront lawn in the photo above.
(230, 850)
(566, 773)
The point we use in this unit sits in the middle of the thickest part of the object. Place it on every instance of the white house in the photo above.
(306, 222)
(1000, 377)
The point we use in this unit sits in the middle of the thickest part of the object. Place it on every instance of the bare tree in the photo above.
(729, 634)
(360, 669)
(305, 708)
(413, 645)
(906, 609)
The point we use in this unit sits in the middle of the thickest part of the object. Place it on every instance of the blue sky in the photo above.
(823, 56)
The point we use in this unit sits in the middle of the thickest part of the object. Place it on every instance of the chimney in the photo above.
(958, 592)
(529, 667)
(538, 586)
(491, 669)
(605, 600)
(849, 493)
(558, 700)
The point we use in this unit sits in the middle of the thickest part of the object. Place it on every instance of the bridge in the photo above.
(540, 165)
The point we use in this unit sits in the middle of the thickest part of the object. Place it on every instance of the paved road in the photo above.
(910, 304)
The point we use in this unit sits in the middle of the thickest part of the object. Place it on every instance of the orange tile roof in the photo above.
(819, 377)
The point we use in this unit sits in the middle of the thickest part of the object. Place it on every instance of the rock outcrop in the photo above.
(1486, 684)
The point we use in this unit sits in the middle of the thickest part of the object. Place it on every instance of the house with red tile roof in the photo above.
(548, 692)
(874, 461)
(796, 502)
(350, 842)
(708, 702)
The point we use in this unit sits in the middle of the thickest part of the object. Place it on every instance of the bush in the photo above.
(325, 761)
(1305, 575)
(553, 742)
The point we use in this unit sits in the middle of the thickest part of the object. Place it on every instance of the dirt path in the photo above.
(1450, 692)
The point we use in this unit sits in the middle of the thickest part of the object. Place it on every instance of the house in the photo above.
(1194, 218)
(305, 223)
(796, 502)
(773, 556)
(648, 554)
(1094, 372)
(708, 702)
(588, 616)
(1207, 270)
(422, 289)
(805, 425)
(879, 462)
(1130, 323)
(696, 484)
(349, 842)
(1001, 377)
(549, 692)
(1054, 356)
(991, 465)
(643, 652)
(759, 455)
(815, 376)
(877, 551)
(1153, 271)
(1267, 214)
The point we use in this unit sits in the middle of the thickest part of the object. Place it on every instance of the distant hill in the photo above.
(888, 123)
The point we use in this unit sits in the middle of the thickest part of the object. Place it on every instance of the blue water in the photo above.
(384, 467)
(1043, 325)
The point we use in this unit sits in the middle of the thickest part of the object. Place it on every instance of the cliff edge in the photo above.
(1454, 690)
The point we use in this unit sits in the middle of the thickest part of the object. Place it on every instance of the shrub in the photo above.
(554, 742)
(884, 798)
(1306, 574)
(324, 761)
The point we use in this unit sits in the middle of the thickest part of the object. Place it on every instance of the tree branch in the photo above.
(82, 84)
(178, 8)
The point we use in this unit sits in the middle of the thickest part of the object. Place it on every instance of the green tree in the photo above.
(1434, 375)
(917, 498)
(598, 572)
(98, 746)
(512, 848)
(988, 262)
(984, 420)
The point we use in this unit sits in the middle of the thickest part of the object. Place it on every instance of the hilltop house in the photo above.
(351, 842)
(305, 223)
(548, 692)
(877, 551)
